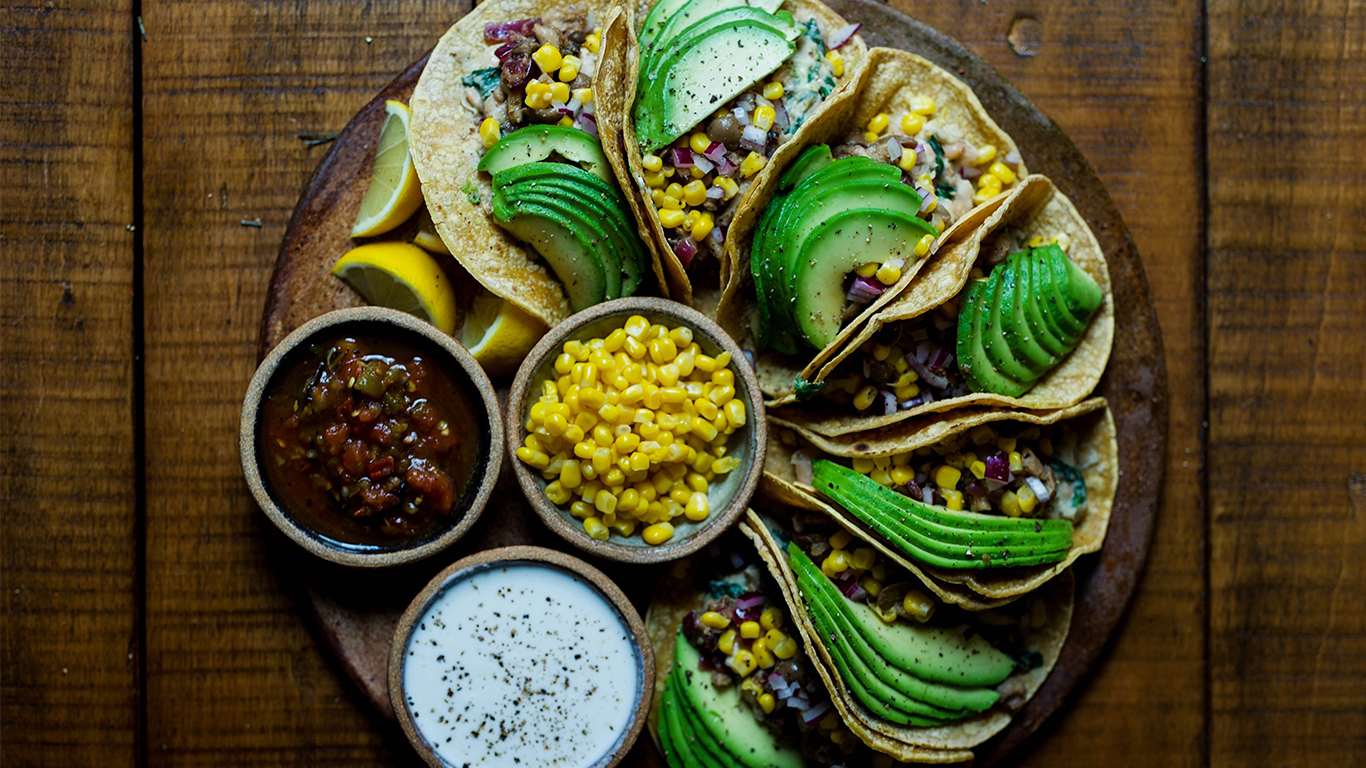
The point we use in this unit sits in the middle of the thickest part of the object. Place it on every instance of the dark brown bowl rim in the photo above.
(747, 387)
(459, 363)
(492, 558)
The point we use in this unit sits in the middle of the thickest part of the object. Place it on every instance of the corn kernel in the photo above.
(912, 124)
(489, 132)
(752, 164)
(714, 620)
(670, 218)
(749, 630)
(922, 247)
(952, 499)
(548, 58)
(864, 557)
(836, 61)
(978, 469)
(726, 643)
(695, 193)
(569, 68)
(835, 562)
(698, 142)
(1027, 500)
(1016, 461)
(585, 95)
(658, 533)
(1010, 504)
(865, 397)
(742, 663)
(652, 163)
(762, 655)
(697, 507)
(983, 195)
(922, 105)
(879, 123)
(888, 274)
(871, 585)
(1002, 171)
(767, 702)
(557, 493)
(947, 477)
(918, 605)
(595, 528)
(727, 185)
(655, 180)
(763, 118)
(985, 154)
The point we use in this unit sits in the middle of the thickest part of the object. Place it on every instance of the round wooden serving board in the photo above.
(355, 612)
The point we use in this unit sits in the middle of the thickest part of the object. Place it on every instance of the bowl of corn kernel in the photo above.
(636, 430)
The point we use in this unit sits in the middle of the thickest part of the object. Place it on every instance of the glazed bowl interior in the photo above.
(727, 496)
(481, 562)
(436, 348)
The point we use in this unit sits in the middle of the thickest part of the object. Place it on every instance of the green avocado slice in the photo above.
(720, 713)
(692, 12)
(1019, 336)
(1050, 298)
(704, 746)
(935, 655)
(968, 307)
(950, 521)
(836, 246)
(563, 247)
(772, 332)
(994, 332)
(535, 143)
(1027, 302)
(654, 22)
(1080, 292)
(811, 159)
(599, 239)
(982, 372)
(677, 752)
(714, 68)
(599, 215)
(653, 63)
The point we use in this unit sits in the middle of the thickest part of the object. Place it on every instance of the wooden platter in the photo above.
(354, 613)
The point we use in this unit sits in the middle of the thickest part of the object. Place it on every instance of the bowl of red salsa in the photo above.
(371, 438)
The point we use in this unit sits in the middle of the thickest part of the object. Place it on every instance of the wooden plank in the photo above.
(68, 616)
(232, 671)
(1287, 383)
(1125, 86)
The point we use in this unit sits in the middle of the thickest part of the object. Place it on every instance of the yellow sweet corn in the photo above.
(653, 163)
(671, 218)
(888, 275)
(749, 630)
(841, 539)
(548, 58)
(922, 247)
(912, 124)
(594, 527)
(836, 61)
(1003, 172)
(879, 123)
(714, 620)
(985, 154)
(922, 105)
(918, 605)
(868, 270)
(1010, 505)
(489, 132)
(752, 164)
(569, 68)
(952, 499)
(742, 663)
(767, 702)
(726, 643)
(727, 185)
(865, 397)
(585, 95)
(695, 192)
(947, 476)
(1027, 500)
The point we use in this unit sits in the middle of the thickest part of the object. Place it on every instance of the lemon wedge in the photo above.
(427, 238)
(394, 193)
(500, 335)
(401, 276)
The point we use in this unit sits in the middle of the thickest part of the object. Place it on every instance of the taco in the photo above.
(505, 142)
(723, 698)
(715, 91)
(827, 240)
(981, 505)
(1015, 310)
(906, 672)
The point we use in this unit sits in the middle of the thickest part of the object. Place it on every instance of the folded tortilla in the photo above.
(443, 136)
(910, 743)
(1095, 455)
(616, 100)
(1034, 208)
(886, 82)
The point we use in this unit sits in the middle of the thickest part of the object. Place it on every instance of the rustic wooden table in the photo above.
(145, 183)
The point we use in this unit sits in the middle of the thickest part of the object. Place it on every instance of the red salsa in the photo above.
(368, 442)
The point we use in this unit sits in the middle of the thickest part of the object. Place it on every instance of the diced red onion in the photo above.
(926, 375)
(590, 108)
(894, 150)
(940, 322)
(736, 561)
(776, 682)
(847, 586)
(685, 250)
(896, 263)
(923, 398)
(717, 237)
(574, 105)
(801, 467)
(927, 199)
(741, 115)
(970, 172)
(715, 152)
(797, 703)
(815, 713)
(1013, 158)
(749, 602)
(919, 334)
(864, 290)
(929, 495)
(975, 490)
(587, 124)
(715, 193)
(503, 50)
(681, 157)
(1040, 490)
(997, 467)
(842, 36)
(561, 107)
(940, 360)
(888, 403)
(780, 117)
(509, 30)
(858, 593)
(924, 155)
(725, 167)
(754, 138)
(701, 163)
(913, 490)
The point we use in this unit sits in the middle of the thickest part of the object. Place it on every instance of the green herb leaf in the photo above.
(807, 389)
(483, 79)
(471, 191)
(946, 191)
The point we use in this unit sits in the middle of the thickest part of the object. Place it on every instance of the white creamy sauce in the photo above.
(521, 665)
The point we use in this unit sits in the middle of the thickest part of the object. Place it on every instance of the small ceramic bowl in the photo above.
(463, 669)
(451, 358)
(728, 498)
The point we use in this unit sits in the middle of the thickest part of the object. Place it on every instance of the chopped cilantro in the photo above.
(483, 79)
(807, 389)
(471, 191)
(946, 191)
(938, 155)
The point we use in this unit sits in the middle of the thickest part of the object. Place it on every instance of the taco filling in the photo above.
(1025, 307)
(767, 71)
(903, 656)
(740, 690)
(551, 185)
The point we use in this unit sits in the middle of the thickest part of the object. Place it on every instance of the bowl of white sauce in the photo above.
(521, 656)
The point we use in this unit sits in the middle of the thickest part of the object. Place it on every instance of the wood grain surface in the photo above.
(1244, 645)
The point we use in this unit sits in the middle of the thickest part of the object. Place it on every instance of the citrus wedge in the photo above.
(427, 238)
(394, 193)
(400, 276)
(499, 335)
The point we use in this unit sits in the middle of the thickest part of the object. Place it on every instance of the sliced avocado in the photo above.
(699, 79)
(692, 12)
(604, 203)
(993, 332)
(520, 195)
(1027, 301)
(538, 142)
(1081, 293)
(769, 333)
(703, 745)
(914, 529)
(1051, 301)
(677, 751)
(1019, 336)
(568, 253)
(980, 370)
(811, 159)
(659, 15)
(937, 654)
(726, 719)
(836, 247)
